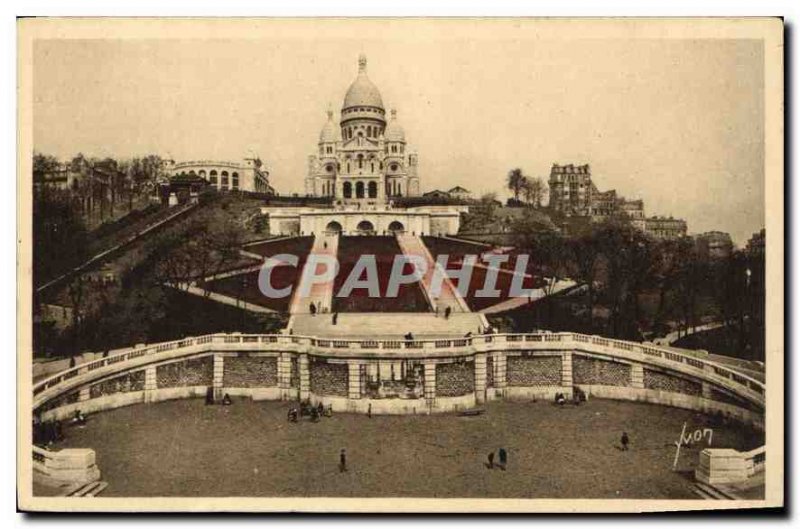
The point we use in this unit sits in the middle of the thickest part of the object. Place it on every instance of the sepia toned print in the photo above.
(484, 265)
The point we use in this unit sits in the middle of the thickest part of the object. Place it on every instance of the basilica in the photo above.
(363, 166)
(365, 159)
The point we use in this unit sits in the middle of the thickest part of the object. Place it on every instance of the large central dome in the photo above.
(362, 93)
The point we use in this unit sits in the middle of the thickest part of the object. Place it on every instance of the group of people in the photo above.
(226, 399)
(309, 410)
(578, 396)
(45, 433)
(502, 459)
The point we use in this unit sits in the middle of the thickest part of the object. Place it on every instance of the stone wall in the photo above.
(456, 379)
(250, 372)
(533, 371)
(121, 384)
(592, 371)
(62, 400)
(664, 382)
(328, 379)
(195, 372)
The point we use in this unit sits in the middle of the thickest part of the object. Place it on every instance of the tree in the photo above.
(627, 253)
(515, 182)
(533, 190)
(44, 163)
(586, 252)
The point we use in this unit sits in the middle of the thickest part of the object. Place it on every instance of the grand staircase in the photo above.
(448, 296)
(321, 294)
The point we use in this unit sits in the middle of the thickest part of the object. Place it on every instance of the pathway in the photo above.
(320, 294)
(539, 293)
(448, 295)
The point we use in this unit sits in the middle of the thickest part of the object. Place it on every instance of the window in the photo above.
(224, 179)
(235, 181)
(394, 167)
(212, 177)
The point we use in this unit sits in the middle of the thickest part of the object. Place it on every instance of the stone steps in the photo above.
(86, 490)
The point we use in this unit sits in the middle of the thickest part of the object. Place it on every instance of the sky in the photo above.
(678, 123)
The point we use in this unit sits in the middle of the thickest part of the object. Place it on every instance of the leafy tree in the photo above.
(533, 190)
(515, 181)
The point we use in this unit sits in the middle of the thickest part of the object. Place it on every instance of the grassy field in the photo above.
(184, 448)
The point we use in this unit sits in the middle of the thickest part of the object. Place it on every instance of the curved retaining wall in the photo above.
(401, 377)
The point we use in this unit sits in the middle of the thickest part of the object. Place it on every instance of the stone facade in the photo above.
(194, 372)
(247, 175)
(533, 370)
(593, 371)
(122, 384)
(455, 379)
(328, 379)
(665, 382)
(250, 372)
(665, 227)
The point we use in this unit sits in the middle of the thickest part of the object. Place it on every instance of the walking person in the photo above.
(490, 457)
(312, 308)
(369, 410)
(503, 456)
(624, 440)
(342, 461)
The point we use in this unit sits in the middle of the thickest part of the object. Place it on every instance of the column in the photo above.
(303, 375)
(500, 363)
(353, 380)
(480, 378)
(150, 383)
(219, 373)
(566, 369)
(430, 381)
(637, 376)
(285, 375)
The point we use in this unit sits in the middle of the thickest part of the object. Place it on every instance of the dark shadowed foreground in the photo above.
(184, 448)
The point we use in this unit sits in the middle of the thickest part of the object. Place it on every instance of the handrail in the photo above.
(432, 347)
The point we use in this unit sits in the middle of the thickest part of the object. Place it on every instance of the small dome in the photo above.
(394, 132)
(330, 132)
(362, 93)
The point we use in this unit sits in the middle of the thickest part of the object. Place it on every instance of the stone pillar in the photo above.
(219, 372)
(430, 381)
(303, 375)
(353, 380)
(480, 378)
(150, 383)
(500, 365)
(637, 376)
(285, 375)
(566, 369)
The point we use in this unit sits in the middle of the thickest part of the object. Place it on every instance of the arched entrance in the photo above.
(348, 190)
(359, 189)
(396, 227)
(333, 228)
(365, 227)
(372, 189)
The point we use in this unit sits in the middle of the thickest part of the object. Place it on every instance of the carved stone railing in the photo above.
(741, 385)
